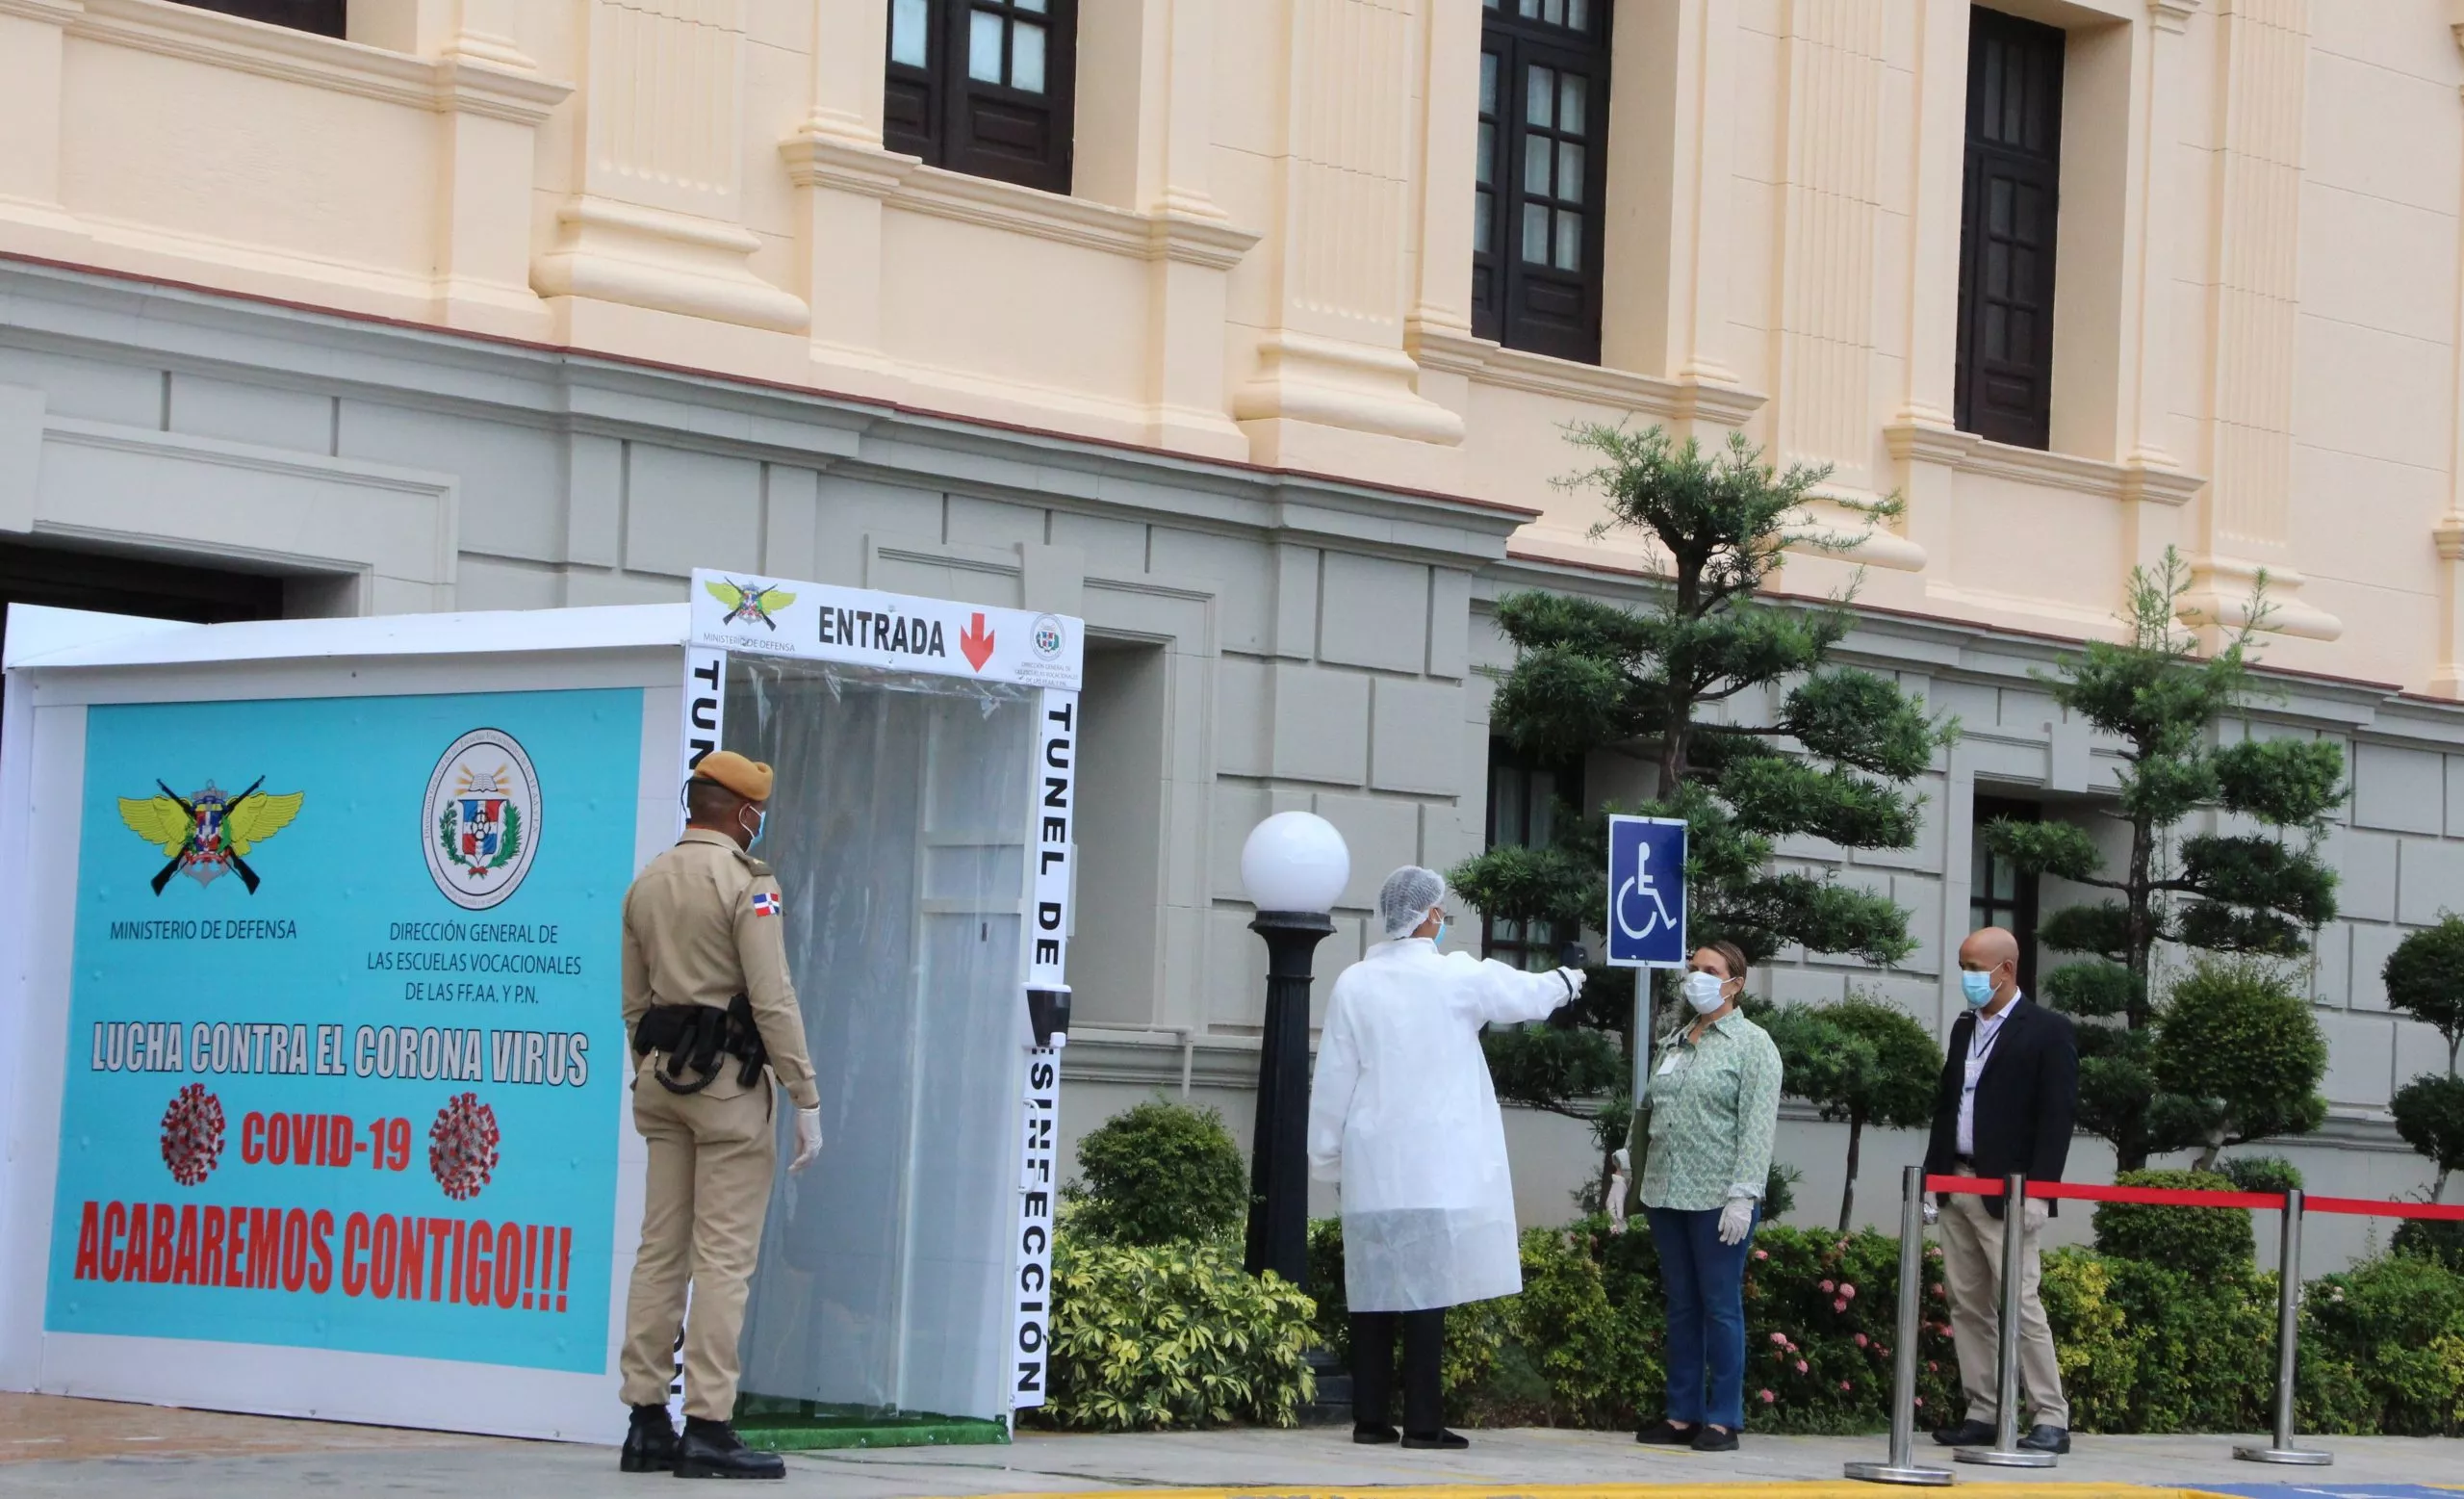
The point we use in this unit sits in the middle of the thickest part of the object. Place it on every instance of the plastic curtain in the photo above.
(898, 831)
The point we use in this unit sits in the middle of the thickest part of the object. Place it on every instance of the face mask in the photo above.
(1703, 991)
(1440, 937)
(760, 823)
(1978, 987)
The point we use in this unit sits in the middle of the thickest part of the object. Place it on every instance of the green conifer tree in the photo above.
(1830, 758)
(2425, 980)
(2259, 893)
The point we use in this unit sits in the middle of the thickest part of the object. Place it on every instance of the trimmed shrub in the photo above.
(2389, 1335)
(2261, 1174)
(2093, 1342)
(2198, 1242)
(2206, 1344)
(1160, 1173)
(1153, 1336)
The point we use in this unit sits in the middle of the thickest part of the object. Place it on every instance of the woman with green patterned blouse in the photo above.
(1714, 1095)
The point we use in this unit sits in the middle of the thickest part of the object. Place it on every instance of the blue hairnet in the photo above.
(1405, 899)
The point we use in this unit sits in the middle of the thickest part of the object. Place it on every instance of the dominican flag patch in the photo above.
(764, 903)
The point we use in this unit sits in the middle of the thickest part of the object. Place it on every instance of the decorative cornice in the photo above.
(2219, 597)
(2172, 16)
(2449, 536)
(818, 158)
(460, 85)
(1925, 442)
(1450, 351)
(647, 257)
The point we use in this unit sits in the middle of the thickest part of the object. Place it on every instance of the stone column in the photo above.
(656, 219)
(31, 49)
(2154, 484)
(1328, 368)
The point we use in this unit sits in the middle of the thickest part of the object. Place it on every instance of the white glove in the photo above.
(1573, 978)
(1932, 1214)
(2036, 1211)
(1735, 1219)
(808, 1138)
(1619, 1182)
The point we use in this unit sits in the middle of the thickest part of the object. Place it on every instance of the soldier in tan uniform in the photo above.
(703, 928)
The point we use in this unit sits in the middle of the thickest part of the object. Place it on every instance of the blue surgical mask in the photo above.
(1440, 937)
(760, 825)
(1978, 987)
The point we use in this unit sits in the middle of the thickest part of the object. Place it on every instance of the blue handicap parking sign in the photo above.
(1646, 923)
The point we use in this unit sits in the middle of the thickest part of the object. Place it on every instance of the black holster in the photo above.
(694, 1037)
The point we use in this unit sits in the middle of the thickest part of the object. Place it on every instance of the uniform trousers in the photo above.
(1973, 1269)
(1373, 1369)
(711, 1165)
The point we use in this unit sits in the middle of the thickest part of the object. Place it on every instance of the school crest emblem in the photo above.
(211, 832)
(482, 818)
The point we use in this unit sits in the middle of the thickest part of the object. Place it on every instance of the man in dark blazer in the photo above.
(2009, 1086)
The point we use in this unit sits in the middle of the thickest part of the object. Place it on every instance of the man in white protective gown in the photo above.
(1402, 1115)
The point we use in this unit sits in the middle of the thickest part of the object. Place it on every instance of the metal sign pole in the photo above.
(2006, 1451)
(2288, 1335)
(1901, 1467)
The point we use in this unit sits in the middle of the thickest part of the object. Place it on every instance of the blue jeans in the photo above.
(1704, 1283)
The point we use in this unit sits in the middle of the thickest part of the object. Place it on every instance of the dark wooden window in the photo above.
(1524, 801)
(1541, 175)
(1999, 893)
(2004, 388)
(985, 87)
(325, 17)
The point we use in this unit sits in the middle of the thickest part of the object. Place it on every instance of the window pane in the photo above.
(1542, 90)
(1535, 234)
(1035, 6)
(1569, 240)
(1544, 808)
(1483, 221)
(1530, 9)
(984, 46)
(1571, 87)
(1026, 56)
(1484, 167)
(1554, 12)
(1535, 164)
(1569, 171)
(907, 28)
(1578, 14)
(1488, 77)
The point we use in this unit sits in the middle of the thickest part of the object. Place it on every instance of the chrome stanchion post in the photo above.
(2006, 1451)
(2288, 1335)
(1902, 1467)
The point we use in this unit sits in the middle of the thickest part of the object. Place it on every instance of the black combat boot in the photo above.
(649, 1445)
(711, 1449)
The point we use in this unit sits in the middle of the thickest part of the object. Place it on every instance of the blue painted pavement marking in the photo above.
(2327, 1490)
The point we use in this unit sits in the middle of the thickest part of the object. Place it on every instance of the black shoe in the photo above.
(1372, 1435)
(2047, 1438)
(1439, 1441)
(1970, 1433)
(1669, 1433)
(1712, 1438)
(711, 1449)
(650, 1442)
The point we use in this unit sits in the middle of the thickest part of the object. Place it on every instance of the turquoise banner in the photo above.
(344, 1048)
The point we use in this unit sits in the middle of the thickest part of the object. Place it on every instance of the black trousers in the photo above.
(1373, 1369)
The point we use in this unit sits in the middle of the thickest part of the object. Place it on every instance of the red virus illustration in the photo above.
(193, 1135)
(462, 1146)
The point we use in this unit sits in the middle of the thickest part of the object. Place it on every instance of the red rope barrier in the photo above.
(2172, 1196)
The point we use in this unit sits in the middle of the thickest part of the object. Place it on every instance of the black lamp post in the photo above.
(1294, 865)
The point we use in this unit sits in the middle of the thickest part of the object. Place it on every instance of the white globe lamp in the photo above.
(1294, 861)
(1294, 867)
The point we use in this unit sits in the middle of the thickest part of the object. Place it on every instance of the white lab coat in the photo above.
(1402, 1113)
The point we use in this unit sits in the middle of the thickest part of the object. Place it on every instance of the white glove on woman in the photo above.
(808, 1138)
(1573, 982)
(1735, 1219)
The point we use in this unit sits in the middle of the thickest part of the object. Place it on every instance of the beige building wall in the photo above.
(1266, 254)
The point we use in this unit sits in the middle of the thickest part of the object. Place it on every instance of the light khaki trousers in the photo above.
(711, 1165)
(1972, 1266)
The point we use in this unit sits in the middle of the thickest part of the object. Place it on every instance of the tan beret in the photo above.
(749, 779)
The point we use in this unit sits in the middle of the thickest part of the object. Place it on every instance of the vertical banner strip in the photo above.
(1055, 851)
(706, 706)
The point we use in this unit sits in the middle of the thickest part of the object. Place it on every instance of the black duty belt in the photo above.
(694, 1037)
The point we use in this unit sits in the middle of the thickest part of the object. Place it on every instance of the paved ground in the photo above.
(89, 1450)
